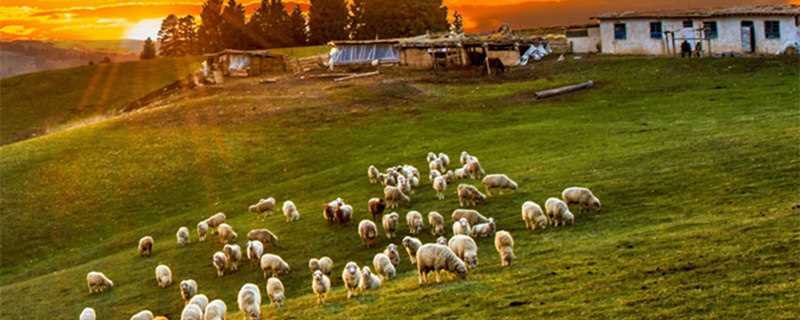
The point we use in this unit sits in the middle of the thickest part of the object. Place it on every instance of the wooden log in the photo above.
(329, 75)
(562, 90)
(357, 75)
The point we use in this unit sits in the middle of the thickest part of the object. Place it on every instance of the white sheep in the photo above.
(192, 312)
(414, 222)
(233, 252)
(215, 310)
(473, 168)
(143, 315)
(263, 207)
(373, 174)
(351, 277)
(273, 264)
(558, 212)
(582, 196)
(393, 196)
(202, 230)
(412, 245)
(368, 232)
(219, 260)
(436, 164)
(163, 276)
(393, 254)
(146, 246)
(473, 217)
(462, 227)
(200, 300)
(469, 195)
(344, 214)
(440, 186)
(290, 211)
(249, 300)
(464, 157)
(431, 156)
(483, 230)
(226, 233)
(255, 249)
(182, 236)
(266, 237)
(433, 175)
(324, 264)
(390, 224)
(329, 211)
(504, 244)
(434, 257)
(368, 281)
(88, 314)
(98, 282)
(376, 207)
(498, 181)
(275, 291)
(384, 266)
(460, 174)
(444, 159)
(216, 220)
(465, 248)
(188, 289)
(436, 222)
(404, 185)
(533, 216)
(321, 285)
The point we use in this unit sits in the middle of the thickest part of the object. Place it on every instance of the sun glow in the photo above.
(144, 29)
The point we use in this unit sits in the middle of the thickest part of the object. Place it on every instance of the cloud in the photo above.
(16, 29)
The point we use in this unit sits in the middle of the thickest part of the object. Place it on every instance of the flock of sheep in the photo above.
(456, 255)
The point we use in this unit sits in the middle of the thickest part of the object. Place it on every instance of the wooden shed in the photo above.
(463, 50)
(246, 63)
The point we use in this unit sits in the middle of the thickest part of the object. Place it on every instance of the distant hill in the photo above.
(26, 56)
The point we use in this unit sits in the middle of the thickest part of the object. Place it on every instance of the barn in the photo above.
(437, 52)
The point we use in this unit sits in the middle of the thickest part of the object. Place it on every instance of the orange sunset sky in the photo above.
(103, 20)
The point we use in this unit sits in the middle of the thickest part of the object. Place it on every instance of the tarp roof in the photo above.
(758, 10)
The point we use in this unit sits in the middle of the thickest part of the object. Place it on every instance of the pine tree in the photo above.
(458, 24)
(327, 21)
(255, 27)
(355, 25)
(297, 27)
(406, 18)
(187, 31)
(277, 27)
(148, 50)
(210, 30)
(233, 26)
(168, 37)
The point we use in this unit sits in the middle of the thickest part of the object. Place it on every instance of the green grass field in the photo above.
(695, 161)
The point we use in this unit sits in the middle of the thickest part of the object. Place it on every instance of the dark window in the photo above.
(655, 30)
(620, 31)
(772, 29)
(578, 33)
(710, 28)
(688, 24)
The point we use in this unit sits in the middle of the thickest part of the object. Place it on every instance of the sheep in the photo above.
(393, 254)
(449, 176)
(469, 195)
(484, 229)
(146, 246)
(433, 175)
(290, 211)
(188, 289)
(163, 276)
(465, 249)
(254, 251)
(344, 214)
(143, 315)
(412, 245)
(473, 217)
(263, 207)
(440, 186)
(464, 157)
(373, 174)
(533, 216)
(504, 244)
(383, 265)
(558, 212)
(233, 252)
(435, 257)
(389, 180)
(390, 224)
(249, 300)
(460, 174)
(376, 207)
(275, 291)
(498, 181)
(88, 314)
(393, 196)
(266, 237)
(98, 282)
(351, 277)
(202, 230)
(182, 236)
(368, 232)
(226, 233)
(404, 185)
(215, 310)
(324, 264)
(431, 156)
(444, 159)
(192, 312)
(200, 300)
(582, 196)
(321, 285)
(368, 281)
(436, 164)
(216, 220)
(462, 227)
(329, 211)
(414, 222)
(274, 264)
(219, 260)
(441, 240)
(436, 221)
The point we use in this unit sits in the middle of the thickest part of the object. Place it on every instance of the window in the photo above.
(620, 31)
(688, 24)
(656, 30)
(772, 29)
(578, 33)
(710, 28)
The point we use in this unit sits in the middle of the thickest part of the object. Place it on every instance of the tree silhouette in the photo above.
(148, 50)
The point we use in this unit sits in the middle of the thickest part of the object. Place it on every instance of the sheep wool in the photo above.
(441, 240)
(414, 222)
(255, 249)
(465, 248)
(263, 207)
(290, 211)
(444, 159)
(436, 221)
(393, 254)
(163, 276)
(215, 310)
(351, 276)
(275, 291)
(188, 289)
(533, 216)
(412, 245)
(368, 281)
(199, 300)
(266, 237)
(182, 236)
(146, 246)
(383, 265)
(484, 230)
(462, 227)
(192, 312)
(233, 252)
(433, 257)
(558, 212)
(376, 207)
(220, 261)
(581, 196)
(393, 196)
(440, 186)
(321, 285)
(216, 220)
(249, 301)
(98, 282)
(504, 244)
(202, 230)
(273, 264)
(373, 174)
(390, 224)
(143, 315)
(473, 217)
(499, 182)
(468, 195)
(368, 232)
(88, 314)
(226, 233)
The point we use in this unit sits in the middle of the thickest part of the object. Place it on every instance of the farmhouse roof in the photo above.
(758, 10)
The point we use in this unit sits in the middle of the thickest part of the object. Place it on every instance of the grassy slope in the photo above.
(695, 161)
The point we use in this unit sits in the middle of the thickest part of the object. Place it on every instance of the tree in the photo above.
(297, 27)
(405, 18)
(269, 27)
(327, 21)
(187, 32)
(148, 50)
(210, 32)
(458, 24)
(169, 38)
(232, 27)
(355, 26)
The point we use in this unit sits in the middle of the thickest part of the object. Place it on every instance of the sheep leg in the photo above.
(438, 278)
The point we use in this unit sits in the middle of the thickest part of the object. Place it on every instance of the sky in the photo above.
(111, 20)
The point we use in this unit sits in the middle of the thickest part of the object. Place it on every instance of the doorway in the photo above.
(748, 37)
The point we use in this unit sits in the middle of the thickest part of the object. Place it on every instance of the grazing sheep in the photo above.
(558, 211)
(188, 289)
(182, 236)
(484, 230)
(498, 181)
(368, 281)
(390, 224)
(469, 195)
(219, 260)
(146, 246)
(290, 211)
(383, 265)
(431, 156)
(473, 168)
(414, 222)
(324, 264)
(202, 230)
(344, 214)
(163, 276)
(436, 164)
(462, 227)
(373, 174)
(226, 233)
(460, 174)
(143, 315)
(275, 291)
(444, 159)
(473, 217)
(433, 175)
(582, 196)
(215, 310)
(412, 245)
(255, 249)
(464, 157)
(249, 300)
(321, 285)
(233, 252)
(351, 277)
(263, 207)
(216, 220)
(449, 176)
(368, 232)
(404, 185)
(266, 237)
(441, 240)
(440, 186)
(389, 180)
(98, 282)
(436, 257)
(376, 207)
(393, 196)
(329, 211)
(192, 312)
(88, 314)
(436, 221)
(504, 244)
(199, 300)
(533, 216)
(393, 254)
(273, 264)
(465, 249)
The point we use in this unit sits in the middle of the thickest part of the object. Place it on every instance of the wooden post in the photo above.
(486, 59)
(562, 90)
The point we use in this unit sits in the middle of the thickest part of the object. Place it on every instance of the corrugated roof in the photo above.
(760, 10)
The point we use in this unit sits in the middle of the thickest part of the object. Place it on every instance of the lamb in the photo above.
(182, 236)
(216, 220)
(436, 221)
(582, 196)
(462, 227)
(321, 285)
(249, 300)
(384, 266)
(266, 237)
(263, 207)
(163, 276)
(202, 230)
(465, 249)
(498, 181)
(192, 312)
(533, 216)
(391, 252)
(351, 277)
(290, 211)
(436, 257)
(504, 244)
(273, 264)
(469, 195)
(226, 233)
(324, 265)
(376, 207)
(484, 229)
(412, 245)
(558, 211)
(275, 291)
(233, 252)
(390, 224)
(344, 214)
(329, 211)
(188, 289)
(143, 315)
(414, 222)
(368, 281)
(473, 217)
(373, 174)
(98, 282)
(440, 186)
(215, 310)
(255, 249)
(394, 196)
(220, 261)
(146, 246)
(88, 314)
(460, 173)
(368, 232)
(444, 159)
